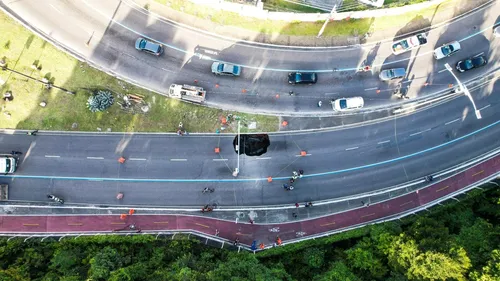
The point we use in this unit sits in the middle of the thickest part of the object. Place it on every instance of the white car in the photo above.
(345, 104)
(496, 31)
(447, 50)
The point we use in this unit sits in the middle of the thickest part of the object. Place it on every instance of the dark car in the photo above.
(252, 145)
(302, 78)
(142, 44)
(471, 63)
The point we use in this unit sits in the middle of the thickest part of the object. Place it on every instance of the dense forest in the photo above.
(456, 241)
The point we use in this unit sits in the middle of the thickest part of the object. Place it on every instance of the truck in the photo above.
(187, 92)
(4, 192)
(409, 43)
(8, 163)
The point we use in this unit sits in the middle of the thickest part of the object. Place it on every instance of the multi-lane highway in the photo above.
(111, 27)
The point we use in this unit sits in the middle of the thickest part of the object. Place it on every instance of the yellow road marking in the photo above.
(202, 225)
(30, 224)
(478, 173)
(78, 223)
(368, 215)
(117, 223)
(409, 202)
(442, 188)
(161, 222)
(327, 224)
(243, 234)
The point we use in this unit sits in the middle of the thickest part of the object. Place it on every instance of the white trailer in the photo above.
(187, 92)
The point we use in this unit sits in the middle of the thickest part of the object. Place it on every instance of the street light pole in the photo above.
(326, 21)
(464, 89)
(237, 169)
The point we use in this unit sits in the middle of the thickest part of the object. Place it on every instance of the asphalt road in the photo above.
(172, 170)
(111, 27)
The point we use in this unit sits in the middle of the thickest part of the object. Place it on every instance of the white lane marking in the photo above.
(480, 54)
(54, 7)
(484, 107)
(381, 142)
(426, 130)
(52, 156)
(168, 70)
(369, 89)
(328, 94)
(452, 121)
(352, 148)
(264, 158)
(442, 70)
(301, 155)
(414, 134)
(219, 159)
(178, 160)
(98, 158)
(137, 159)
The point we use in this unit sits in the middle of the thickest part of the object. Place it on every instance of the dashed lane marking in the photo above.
(52, 156)
(381, 142)
(327, 224)
(369, 215)
(178, 160)
(95, 158)
(484, 107)
(160, 222)
(117, 223)
(75, 224)
(300, 155)
(442, 70)
(414, 134)
(265, 158)
(371, 89)
(30, 224)
(137, 159)
(351, 148)
(219, 159)
(452, 121)
(478, 173)
(406, 203)
(202, 225)
(54, 7)
(442, 188)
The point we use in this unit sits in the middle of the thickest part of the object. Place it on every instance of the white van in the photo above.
(345, 104)
(8, 164)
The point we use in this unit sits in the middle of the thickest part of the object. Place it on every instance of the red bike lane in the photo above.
(246, 232)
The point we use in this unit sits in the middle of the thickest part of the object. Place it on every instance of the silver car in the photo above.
(391, 74)
(221, 68)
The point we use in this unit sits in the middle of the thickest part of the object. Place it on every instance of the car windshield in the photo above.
(220, 68)
(477, 61)
(298, 77)
(142, 44)
(447, 50)
(405, 44)
(343, 104)
(468, 64)
(391, 73)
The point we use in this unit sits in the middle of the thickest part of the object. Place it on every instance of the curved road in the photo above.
(111, 27)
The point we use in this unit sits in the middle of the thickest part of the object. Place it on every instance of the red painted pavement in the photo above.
(248, 232)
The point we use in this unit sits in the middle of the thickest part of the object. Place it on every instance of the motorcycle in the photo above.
(55, 198)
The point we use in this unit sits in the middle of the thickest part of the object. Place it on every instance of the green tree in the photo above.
(338, 271)
(478, 240)
(105, 261)
(430, 233)
(364, 256)
(439, 266)
(243, 266)
(314, 257)
(490, 272)
(67, 260)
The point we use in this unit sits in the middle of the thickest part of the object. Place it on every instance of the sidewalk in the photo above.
(416, 24)
(291, 228)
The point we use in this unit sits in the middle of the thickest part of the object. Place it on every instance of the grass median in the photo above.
(297, 28)
(28, 54)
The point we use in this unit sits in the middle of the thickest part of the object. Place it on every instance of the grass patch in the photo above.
(335, 28)
(20, 49)
(284, 6)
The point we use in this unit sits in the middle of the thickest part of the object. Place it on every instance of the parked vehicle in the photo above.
(55, 198)
(446, 50)
(142, 44)
(8, 163)
(391, 74)
(251, 144)
(220, 68)
(187, 92)
(409, 43)
(345, 104)
(302, 78)
(471, 63)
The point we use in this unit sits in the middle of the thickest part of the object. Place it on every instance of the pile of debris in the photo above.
(133, 104)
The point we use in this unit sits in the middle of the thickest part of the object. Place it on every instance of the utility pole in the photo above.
(326, 21)
(464, 89)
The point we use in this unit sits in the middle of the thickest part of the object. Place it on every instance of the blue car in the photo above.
(142, 44)
(471, 63)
